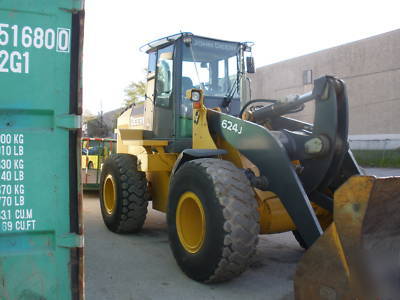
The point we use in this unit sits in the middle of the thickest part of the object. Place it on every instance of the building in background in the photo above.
(103, 125)
(371, 70)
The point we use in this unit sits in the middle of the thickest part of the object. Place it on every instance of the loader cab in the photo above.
(185, 61)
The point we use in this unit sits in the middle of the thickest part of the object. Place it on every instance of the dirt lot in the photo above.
(142, 267)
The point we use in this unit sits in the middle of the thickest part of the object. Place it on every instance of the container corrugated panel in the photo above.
(40, 200)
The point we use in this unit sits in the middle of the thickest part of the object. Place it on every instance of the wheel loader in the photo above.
(226, 168)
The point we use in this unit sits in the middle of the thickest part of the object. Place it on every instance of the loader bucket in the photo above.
(358, 256)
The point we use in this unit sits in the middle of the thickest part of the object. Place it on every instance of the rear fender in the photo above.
(190, 154)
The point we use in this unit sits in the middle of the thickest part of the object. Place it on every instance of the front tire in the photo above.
(212, 220)
(123, 194)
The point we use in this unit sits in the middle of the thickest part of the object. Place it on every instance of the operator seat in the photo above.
(186, 104)
(187, 84)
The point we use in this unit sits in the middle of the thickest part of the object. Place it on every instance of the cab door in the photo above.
(149, 97)
(40, 201)
(163, 123)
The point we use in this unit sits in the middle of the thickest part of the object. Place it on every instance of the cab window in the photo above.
(151, 68)
(164, 76)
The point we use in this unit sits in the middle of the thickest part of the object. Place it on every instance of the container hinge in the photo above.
(70, 122)
(70, 240)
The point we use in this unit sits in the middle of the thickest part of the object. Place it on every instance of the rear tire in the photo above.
(123, 194)
(226, 202)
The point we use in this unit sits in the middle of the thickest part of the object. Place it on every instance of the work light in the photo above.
(195, 96)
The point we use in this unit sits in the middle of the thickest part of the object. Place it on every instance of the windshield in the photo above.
(210, 65)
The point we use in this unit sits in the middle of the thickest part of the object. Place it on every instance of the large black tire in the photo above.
(231, 219)
(128, 213)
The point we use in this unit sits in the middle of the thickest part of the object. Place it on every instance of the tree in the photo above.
(134, 92)
(87, 116)
(97, 128)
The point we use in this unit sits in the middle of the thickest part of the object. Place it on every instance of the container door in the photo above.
(40, 200)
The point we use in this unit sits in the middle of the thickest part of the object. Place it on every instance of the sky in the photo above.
(281, 29)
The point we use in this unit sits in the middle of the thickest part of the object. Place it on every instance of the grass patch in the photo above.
(378, 158)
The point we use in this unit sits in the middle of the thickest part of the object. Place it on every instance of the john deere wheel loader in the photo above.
(225, 168)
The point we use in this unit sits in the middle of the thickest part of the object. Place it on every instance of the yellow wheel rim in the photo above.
(109, 194)
(190, 222)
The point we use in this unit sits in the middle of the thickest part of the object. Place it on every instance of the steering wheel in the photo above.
(253, 105)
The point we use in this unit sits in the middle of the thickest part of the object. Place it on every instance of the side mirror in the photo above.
(250, 65)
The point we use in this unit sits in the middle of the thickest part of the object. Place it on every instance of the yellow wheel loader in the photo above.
(226, 168)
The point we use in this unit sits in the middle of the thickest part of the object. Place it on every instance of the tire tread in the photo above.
(241, 216)
(133, 193)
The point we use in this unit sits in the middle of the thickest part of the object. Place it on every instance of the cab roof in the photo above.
(154, 45)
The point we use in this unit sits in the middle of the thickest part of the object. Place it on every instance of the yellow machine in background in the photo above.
(225, 169)
(94, 152)
(89, 161)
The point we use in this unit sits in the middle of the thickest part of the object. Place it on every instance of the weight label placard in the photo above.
(15, 213)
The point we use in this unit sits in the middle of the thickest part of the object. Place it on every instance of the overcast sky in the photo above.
(114, 31)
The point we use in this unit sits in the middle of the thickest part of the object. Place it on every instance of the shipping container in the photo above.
(41, 242)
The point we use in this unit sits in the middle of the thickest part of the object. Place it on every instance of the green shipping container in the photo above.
(41, 244)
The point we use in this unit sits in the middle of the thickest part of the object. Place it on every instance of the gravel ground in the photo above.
(142, 267)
